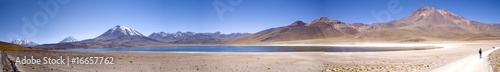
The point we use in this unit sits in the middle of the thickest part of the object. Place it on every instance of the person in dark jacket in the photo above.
(480, 53)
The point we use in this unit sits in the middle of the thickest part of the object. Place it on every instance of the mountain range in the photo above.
(118, 36)
(122, 36)
(24, 42)
(194, 38)
(424, 24)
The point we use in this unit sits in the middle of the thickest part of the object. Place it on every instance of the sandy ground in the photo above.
(415, 60)
(472, 63)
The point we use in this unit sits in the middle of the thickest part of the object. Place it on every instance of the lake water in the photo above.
(253, 49)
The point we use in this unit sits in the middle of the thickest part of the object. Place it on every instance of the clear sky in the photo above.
(85, 19)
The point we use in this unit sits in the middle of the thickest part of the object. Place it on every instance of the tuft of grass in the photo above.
(495, 60)
(382, 68)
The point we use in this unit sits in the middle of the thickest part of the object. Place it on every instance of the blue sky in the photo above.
(85, 19)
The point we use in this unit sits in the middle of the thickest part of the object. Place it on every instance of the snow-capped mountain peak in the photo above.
(24, 42)
(125, 30)
(68, 39)
(119, 31)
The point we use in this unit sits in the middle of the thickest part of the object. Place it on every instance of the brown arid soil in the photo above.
(410, 60)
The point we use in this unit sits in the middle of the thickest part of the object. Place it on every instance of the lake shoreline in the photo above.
(253, 49)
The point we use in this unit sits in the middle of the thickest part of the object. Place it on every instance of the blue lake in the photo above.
(253, 49)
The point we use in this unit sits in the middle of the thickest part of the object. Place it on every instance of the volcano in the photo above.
(118, 36)
(425, 23)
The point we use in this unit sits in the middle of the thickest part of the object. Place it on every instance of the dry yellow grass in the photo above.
(10, 47)
(389, 68)
(495, 60)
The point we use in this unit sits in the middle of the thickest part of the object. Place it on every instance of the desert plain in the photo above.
(422, 60)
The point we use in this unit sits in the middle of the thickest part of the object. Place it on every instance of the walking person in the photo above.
(480, 53)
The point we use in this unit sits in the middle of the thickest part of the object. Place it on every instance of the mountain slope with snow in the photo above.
(24, 42)
(119, 31)
(68, 39)
(118, 36)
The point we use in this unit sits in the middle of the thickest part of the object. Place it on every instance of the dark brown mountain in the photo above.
(298, 30)
(425, 23)
(439, 23)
